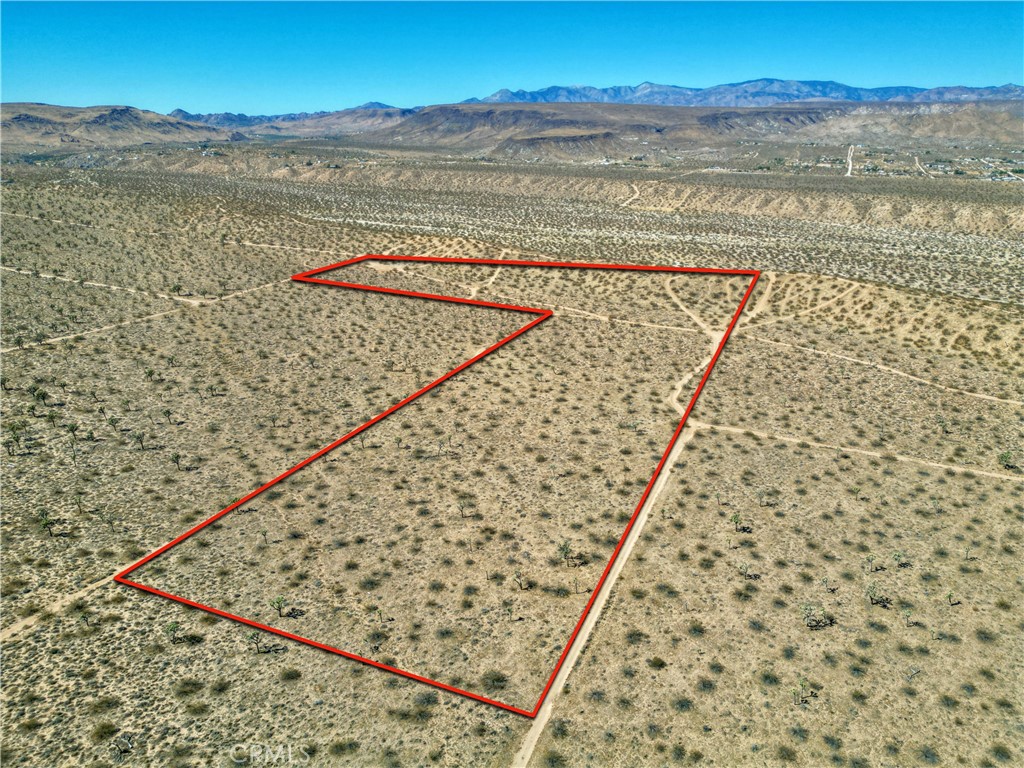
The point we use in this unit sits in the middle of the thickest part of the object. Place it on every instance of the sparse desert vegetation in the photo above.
(828, 575)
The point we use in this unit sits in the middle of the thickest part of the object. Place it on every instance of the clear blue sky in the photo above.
(289, 57)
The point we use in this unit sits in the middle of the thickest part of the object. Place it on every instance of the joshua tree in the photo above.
(565, 551)
(254, 638)
(5, 384)
(140, 438)
(79, 493)
(1007, 460)
(73, 429)
(106, 516)
(278, 603)
(950, 598)
(171, 630)
(872, 593)
(898, 558)
(176, 458)
(16, 428)
(736, 520)
(167, 414)
(52, 416)
(150, 373)
(41, 395)
(46, 523)
(815, 617)
(263, 533)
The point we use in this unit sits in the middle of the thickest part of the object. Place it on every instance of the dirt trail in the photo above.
(686, 310)
(802, 312)
(526, 749)
(636, 195)
(55, 339)
(699, 426)
(768, 281)
(56, 606)
(880, 367)
(91, 284)
(917, 163)
(849, 162)
(144, 318)
(996, 168)
(477, 287)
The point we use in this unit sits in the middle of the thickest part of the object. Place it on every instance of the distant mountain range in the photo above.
(237, 120)
(572, 123)
(752, 93)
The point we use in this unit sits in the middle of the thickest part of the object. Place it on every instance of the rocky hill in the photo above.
(44, 125)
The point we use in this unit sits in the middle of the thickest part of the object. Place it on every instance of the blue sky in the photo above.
(288, 57)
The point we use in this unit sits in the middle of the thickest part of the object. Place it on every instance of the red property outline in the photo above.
(543, 314)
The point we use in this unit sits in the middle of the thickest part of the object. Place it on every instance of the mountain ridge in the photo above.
(540, 130)
(762, 92)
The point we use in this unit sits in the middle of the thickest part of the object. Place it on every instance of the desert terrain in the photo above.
(826, 571)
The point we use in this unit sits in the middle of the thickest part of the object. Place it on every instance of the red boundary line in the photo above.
(544, 314)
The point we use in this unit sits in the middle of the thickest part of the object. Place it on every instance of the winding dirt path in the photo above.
(477, 287)
(801, 313)
(685, 309)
